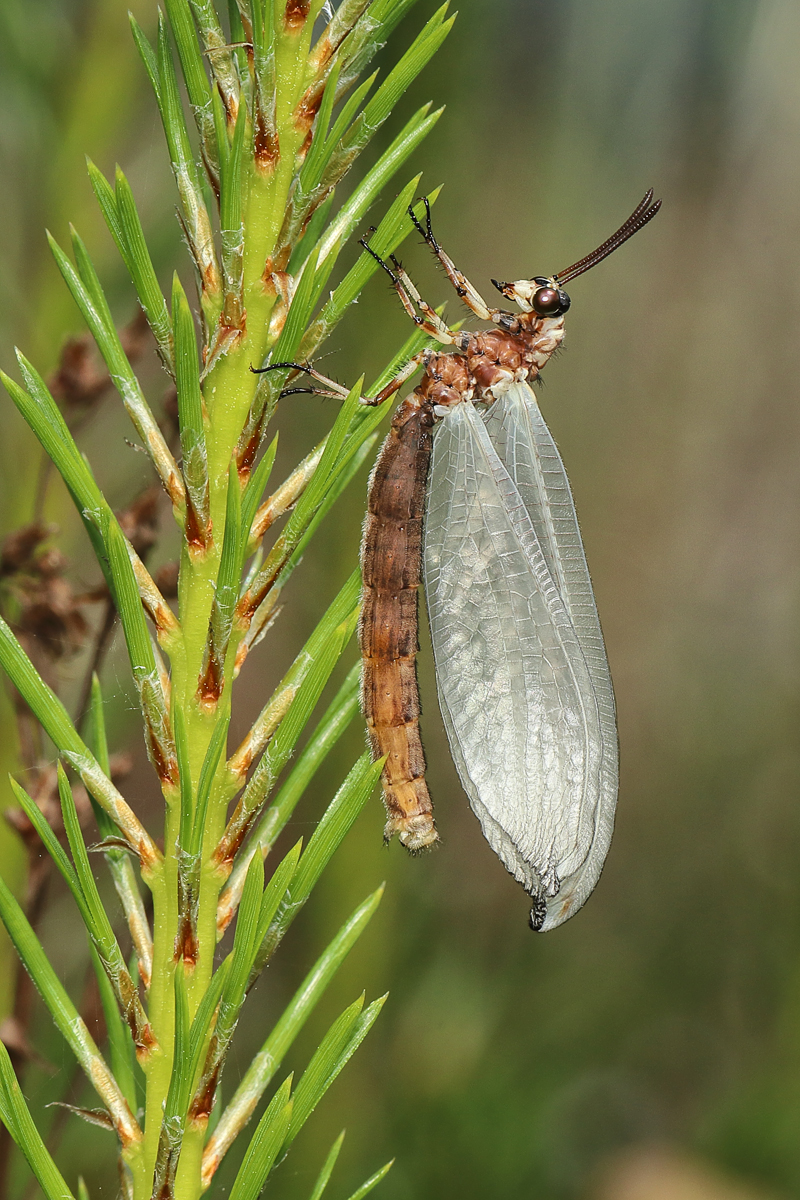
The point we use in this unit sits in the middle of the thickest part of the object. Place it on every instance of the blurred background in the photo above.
(650, 1048)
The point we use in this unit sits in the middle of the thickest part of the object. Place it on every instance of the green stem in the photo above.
(228, 392)
(164, 888)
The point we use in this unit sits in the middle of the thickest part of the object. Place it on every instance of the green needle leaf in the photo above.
(352, 213)
(324, 478)
(336, 822)
(142, 271)
(218, 53)
(264, 1146)
(398, 81)
(244, 947)
(335, 1051)
(372, 1182)
(81, 884)
(120, 1042)
(331, 830)
(216, 749)
(66, 1017)
(92, 304)
(393, 229)
(178, 1094)
(251, 497)
(185, 777)
(119, 861)
(177, 1101)
(18, 1121)
(259, 910)
(336, 719)
(180, 19)
(262, 1070)
(342, 153)
(232, 184)
(148, 56)
(190, 414)
(125, 574)
(275, 890)
(121, 217)
(226, 594)
(303, 684)
(327, 1169)
(54, 719)
(194, 215)
(205, 1014)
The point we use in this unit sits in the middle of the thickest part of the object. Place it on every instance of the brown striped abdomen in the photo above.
(391, 552)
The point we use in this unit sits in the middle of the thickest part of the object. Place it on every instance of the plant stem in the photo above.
(228, 392)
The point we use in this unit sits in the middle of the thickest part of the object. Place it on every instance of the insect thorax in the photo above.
(485, 364)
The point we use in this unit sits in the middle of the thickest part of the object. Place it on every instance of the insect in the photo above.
(521, 670)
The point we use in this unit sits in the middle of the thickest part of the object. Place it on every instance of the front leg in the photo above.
(469, 294)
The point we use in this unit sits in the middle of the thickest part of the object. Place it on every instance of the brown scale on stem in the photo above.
(296, 14)
(165, 764)
(196, 531)
(186, 946)
(477, 367)
(266, 145)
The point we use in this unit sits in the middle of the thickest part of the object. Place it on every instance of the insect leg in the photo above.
(395, 384)
(431, 323)
(332, 388)
(469, 294)
(329, 386)
(432, 320)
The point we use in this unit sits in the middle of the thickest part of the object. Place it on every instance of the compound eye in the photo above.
(546, 302)
(565, 300)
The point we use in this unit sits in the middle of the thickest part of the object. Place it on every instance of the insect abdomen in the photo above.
(391, 552)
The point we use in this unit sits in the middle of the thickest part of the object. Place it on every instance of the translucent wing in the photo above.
(518, 695)
(524, 444)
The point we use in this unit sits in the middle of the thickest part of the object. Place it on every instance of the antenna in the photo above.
(645, 210)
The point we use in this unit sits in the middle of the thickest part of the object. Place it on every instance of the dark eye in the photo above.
(549, 301)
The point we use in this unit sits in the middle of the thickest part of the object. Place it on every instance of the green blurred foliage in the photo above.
(69, 81)
(509, 1065)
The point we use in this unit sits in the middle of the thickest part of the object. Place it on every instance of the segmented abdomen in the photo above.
(391, 552)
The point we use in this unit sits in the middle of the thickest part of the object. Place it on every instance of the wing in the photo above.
(517, 696)
(526, 448)
(525, 445)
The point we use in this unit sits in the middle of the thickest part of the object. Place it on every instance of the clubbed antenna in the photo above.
(645, 210)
